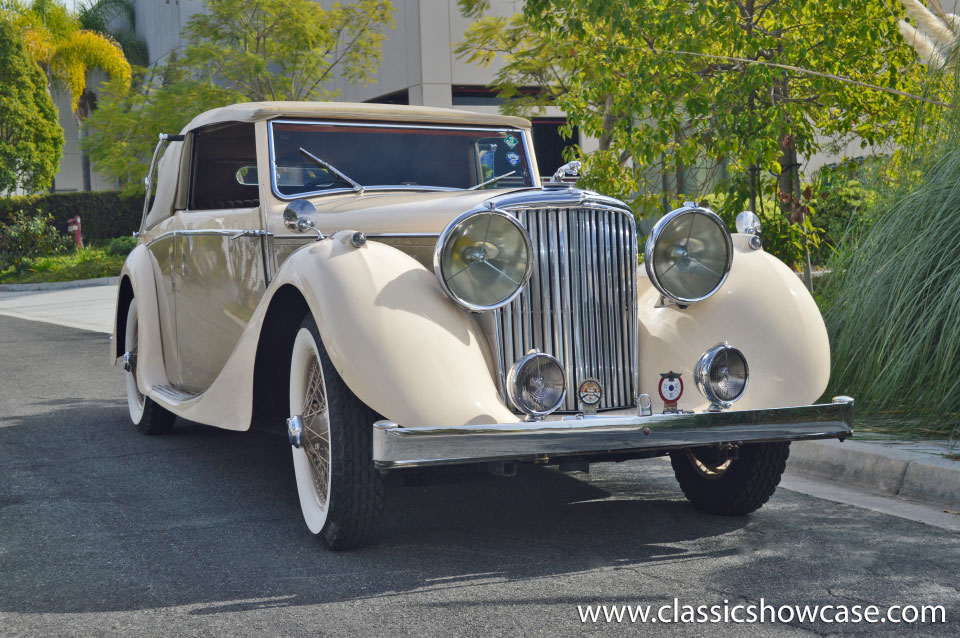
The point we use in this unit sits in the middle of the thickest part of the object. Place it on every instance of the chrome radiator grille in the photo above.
(580, 305)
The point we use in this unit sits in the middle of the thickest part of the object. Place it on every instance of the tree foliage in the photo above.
(287, 49)
(65, 50)
(116, 18)
(699, 95)
(31, 140)
(239, 50)
(122, 133)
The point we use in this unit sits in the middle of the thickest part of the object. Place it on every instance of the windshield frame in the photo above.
(386, 187)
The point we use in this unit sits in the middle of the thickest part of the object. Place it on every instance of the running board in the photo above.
(172, 394)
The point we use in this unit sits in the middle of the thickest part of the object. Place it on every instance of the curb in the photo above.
(879, 468)
(60, 285)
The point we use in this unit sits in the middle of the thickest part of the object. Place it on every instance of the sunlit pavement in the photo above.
(104, 531)
(89, 308)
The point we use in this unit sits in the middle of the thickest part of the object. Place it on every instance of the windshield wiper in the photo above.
(330, 167)
(489, 181)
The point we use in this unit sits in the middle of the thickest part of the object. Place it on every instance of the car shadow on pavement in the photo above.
(97, 517)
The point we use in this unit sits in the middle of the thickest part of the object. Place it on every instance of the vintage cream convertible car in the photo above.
(397, 286)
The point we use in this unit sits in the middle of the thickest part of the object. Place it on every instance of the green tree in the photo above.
(67, 49)
(31, 140)
(239, 50)
(122, 133)
(696, 96)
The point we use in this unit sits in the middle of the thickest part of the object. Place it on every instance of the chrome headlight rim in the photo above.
(657, 231)
(701, 374)
(441, 243)
(512, 384)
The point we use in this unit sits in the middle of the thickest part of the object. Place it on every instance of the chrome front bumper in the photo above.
(396, 447)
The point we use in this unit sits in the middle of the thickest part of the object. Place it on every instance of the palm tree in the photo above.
(66, 50)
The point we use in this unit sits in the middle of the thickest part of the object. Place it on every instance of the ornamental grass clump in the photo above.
(894, 305)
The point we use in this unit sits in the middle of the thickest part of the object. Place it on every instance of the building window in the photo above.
(398, 97)
(549, 145)
(466, 95)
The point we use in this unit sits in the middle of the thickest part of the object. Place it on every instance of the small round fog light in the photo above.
(536, 384)
(721, 375)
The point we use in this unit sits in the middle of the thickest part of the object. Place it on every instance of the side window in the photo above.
(224, 168)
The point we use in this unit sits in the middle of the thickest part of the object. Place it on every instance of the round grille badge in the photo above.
(590, 392)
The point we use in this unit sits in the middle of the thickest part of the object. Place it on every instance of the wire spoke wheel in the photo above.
(316, 432)
(710, 469)
(312, 460)
(340, 490)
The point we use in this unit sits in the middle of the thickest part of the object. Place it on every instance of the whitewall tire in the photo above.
(146, 415)
(341, 492)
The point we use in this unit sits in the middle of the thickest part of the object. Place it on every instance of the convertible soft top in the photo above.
(256, 111)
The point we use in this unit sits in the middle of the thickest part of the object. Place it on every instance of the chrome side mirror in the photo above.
(300, 215)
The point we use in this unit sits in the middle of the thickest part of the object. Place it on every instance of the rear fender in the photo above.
(138, 280)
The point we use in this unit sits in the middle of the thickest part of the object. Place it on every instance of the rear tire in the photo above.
(341, 492)
(146, 415)
(730, 488)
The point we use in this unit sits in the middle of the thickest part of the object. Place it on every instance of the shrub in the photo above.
(121, 245)
(842, 203)
(103, 214)
(785, 241)
(28, 237)
(893, 305)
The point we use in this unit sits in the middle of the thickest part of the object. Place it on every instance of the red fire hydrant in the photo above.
(73, 226)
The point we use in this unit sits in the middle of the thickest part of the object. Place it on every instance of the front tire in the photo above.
(730, 487)
(146, 415)
(341, 492)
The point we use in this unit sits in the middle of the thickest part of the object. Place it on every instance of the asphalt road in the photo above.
(104, 531)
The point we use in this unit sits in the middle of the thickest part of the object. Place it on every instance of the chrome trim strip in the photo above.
(402, 235)
(382, 187)
(397, 447)
(234, 233)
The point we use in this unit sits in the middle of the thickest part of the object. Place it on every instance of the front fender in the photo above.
(764, 310)
(397, 341)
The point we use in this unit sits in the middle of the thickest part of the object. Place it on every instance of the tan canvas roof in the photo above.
(255, 111)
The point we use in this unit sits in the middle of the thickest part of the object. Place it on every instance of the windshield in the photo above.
(396, 156)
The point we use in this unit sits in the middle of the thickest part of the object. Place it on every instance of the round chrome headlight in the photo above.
(536, 384)
(483, 259)
(688, 254)
(721, 375)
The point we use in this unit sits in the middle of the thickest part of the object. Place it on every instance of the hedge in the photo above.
(103, 214)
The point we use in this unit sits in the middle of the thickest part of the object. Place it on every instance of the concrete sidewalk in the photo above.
(915, 470)
(89, 308)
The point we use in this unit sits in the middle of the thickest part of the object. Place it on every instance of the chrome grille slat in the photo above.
(580, 304)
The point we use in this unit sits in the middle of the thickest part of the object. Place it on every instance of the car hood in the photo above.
(403, 212)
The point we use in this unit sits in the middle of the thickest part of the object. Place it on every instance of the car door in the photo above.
(218, 261)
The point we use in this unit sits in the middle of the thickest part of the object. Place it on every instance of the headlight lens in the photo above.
(721, 375)
(536, 384)
(483, 259)
(688, 254)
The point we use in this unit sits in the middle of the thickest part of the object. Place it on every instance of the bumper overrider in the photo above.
(396, 447)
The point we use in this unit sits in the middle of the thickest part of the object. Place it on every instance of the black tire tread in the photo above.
(746, 487)
(155, 420)
(357, 489)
